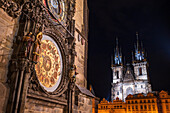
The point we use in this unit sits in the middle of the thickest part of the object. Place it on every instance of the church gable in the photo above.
(128, 75)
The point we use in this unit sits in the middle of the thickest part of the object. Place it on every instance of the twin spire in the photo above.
(139, 52)
(118, 54)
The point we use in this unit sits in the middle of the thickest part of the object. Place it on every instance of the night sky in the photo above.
(109, 19)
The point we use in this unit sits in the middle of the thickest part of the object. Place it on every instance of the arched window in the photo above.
(140, 71)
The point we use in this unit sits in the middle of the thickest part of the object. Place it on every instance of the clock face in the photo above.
(49, 66)
(57, 9)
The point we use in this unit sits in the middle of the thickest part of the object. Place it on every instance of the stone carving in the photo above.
(11, 8)
(73, 73)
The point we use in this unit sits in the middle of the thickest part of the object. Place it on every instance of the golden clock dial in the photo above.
(57, 9)
(49, 66)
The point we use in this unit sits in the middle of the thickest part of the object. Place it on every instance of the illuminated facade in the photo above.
(164, 102)
(138, 103)
(117, 106)
(141, 104)
(132, 78)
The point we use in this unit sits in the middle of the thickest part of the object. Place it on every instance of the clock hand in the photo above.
(59, 7)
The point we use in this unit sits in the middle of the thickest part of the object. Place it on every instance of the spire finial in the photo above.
(117, 41)
(137, 37)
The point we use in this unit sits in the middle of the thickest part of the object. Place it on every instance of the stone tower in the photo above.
(117, 71)
(131, 78)
(43, 56)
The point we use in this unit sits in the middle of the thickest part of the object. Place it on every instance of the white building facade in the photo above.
(131, 78)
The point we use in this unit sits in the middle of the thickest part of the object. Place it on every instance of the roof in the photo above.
(85, 91)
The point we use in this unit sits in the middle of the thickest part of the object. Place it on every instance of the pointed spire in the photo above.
(137, 38)
(116, 41)
(118, 54)
(139, 52)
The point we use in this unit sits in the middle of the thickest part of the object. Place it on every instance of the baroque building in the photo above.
(43, 56)
(157, 102)
(131, 78)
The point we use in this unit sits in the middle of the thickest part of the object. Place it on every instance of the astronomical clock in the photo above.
(40, 67)
(49, 66)
(57, 9)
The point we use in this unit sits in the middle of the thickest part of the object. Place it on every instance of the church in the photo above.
(130, 78)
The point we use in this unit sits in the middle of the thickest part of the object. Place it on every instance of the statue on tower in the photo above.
(37, 48)
(27, 40)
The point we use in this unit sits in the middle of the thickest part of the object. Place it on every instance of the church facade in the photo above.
(131, 78)
(43, 56)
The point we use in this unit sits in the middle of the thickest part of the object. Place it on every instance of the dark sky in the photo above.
(109, 19)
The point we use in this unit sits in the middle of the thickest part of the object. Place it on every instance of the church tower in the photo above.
(140, 66)
(139, 62)
(117, 67)
(117, 70)
(131, 78)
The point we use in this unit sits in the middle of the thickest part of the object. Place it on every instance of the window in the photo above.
(153, 107)
(128, 102)
(132, 107)
(135, 85)
(144, 101)
(153, 101)
(132, 102)
(141, 86)
(117, 93)
(136, 102)
(145, 107)
(141, 107)
(140, 101)
(129, 108)
(117, 74)
(76, 100)
(166, 101)
(148, 101)
(140, 71)
(136, 107)
(149, 107)
(167, 107)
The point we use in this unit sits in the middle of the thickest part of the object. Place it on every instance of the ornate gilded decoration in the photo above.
(37, 48)
(49, 66)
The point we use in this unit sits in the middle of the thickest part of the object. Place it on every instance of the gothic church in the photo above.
(128, 80)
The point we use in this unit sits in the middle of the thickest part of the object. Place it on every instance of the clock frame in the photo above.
(50, 65)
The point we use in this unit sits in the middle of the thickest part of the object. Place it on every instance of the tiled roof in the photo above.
(85, 91)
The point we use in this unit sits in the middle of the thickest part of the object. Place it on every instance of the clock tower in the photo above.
(44, 56)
